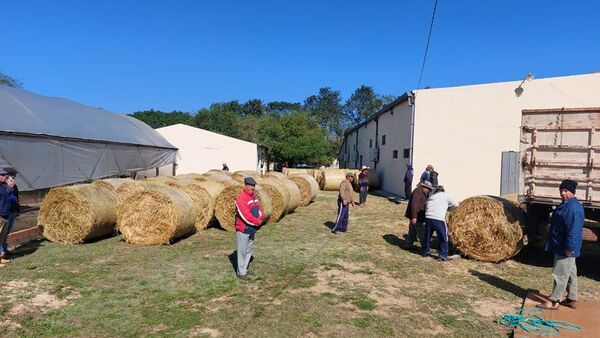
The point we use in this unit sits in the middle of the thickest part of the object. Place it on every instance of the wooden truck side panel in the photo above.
(557, 144)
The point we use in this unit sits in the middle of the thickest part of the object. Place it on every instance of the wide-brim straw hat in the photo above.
(426, 184)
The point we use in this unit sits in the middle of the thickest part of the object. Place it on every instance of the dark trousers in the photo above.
(362, 196)
(407, 189)
(341, 223)
(441, 230)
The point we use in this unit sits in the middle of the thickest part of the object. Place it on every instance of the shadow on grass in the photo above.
(329, 224)
(233, 260)
(500, 283)
(587, 263)
(400, 242)
(27, 248)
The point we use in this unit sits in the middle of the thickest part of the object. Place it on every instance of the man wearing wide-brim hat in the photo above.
(345, 200)
(415, 212)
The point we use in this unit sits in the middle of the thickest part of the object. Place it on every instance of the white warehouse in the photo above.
(462, 131)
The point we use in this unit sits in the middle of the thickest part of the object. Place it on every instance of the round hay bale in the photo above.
(132, 187)
(293, 194)
(309, 189)
(189, 176)
(264, 198)
(155, 216)
(297, 171)
(275, 174)
(487, 228)
(79, 213)
(374, 181)
(279, 197)
(112, 183)
(214, 176)
(332, 178)
(160, 179)
(218, 171)
(241, 174)
(225, 205)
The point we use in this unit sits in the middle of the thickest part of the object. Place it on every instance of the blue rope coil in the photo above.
(528, 320)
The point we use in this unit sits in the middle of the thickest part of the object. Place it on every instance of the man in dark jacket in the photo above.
(8, 201)
(249, 215)
(408, 178)
(13, 212)
(415, 212)
(564, 241)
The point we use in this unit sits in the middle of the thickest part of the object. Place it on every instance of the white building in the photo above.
(202, 150)
(462, 131)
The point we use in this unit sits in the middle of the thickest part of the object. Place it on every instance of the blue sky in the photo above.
(126, 56)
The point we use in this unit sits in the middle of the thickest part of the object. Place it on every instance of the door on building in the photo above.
(510, 171)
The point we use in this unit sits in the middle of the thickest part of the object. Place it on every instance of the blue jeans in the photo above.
(4, 245)
(440, 228)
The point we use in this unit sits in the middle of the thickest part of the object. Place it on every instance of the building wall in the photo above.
(365, 144)
(201, 150)
(396, 128)
(462, 131)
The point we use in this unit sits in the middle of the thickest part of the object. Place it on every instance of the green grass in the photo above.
(308, 282)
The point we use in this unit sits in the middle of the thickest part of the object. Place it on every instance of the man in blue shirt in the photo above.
(564, 241)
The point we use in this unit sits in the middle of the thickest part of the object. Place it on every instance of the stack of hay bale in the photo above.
(160, 210)
(329, 179)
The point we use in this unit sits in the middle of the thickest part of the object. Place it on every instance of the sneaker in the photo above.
(569, 303)
(243, 277)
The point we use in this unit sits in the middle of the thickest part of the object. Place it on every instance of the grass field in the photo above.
(308, 282)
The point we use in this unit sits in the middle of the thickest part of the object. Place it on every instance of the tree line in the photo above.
(310, 132)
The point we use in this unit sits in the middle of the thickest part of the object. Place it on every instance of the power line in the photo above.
(427, 46)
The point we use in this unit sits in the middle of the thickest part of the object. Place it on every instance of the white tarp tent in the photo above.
(53, 141)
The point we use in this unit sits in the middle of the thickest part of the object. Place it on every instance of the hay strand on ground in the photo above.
(157, 215)
(487, 228)
(309, 189)
(79, 213)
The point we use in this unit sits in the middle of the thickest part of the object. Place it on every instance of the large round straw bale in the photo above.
(265, 201)
(215, 176)
(241, 174)
(293, 200)
(112, 183)
(188, 176)
(279, 197)
(225, 205)
(297, 171)
(132, 187)
(218, 171)
(309, 189)
(332, 178)
(487, 228)
(160, 179)
(79, 213)
(157, 215)
(275, 174)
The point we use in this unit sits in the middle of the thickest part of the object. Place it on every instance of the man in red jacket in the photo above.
(249, 216)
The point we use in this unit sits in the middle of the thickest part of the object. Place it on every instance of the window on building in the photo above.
(395, 154)
(406, 152)
(370, 143)
(383, 140)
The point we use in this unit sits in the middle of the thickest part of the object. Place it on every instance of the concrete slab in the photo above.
(587, 316)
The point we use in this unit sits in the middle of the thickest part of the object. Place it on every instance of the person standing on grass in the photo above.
(345, 200)
(408, 178)
(363, 184)
(435, 220)
(14, 211)
(415, 212)
(249, 215)
(564, 241)
(7, 205)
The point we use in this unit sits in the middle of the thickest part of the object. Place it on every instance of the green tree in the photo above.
(363, 104)
(327, 108)
(282, 107)
(7, 80)
(247, 127)
(254, 107)
(218, 121)
(158, 119)
(295, 138)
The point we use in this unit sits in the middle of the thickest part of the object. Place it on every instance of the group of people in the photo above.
(9, 207)
(427, 206)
